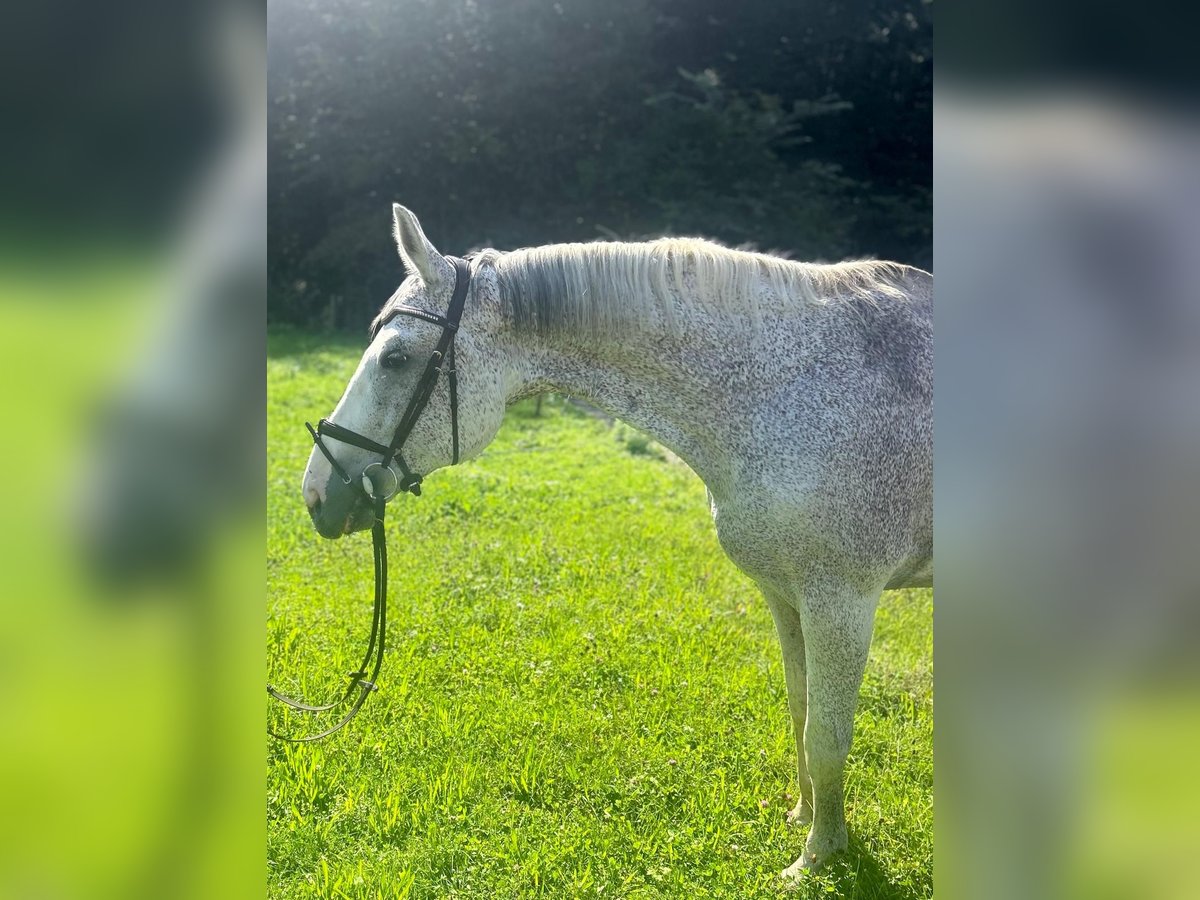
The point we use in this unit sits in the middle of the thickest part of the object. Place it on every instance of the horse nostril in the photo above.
(312, 499)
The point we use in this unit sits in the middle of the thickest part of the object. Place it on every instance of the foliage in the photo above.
(519, 122)
(582, 696)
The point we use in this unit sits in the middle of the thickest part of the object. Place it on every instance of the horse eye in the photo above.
(393, 360)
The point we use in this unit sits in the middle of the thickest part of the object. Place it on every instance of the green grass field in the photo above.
(582, 697)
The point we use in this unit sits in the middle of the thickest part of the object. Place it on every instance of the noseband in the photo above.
(440, 362)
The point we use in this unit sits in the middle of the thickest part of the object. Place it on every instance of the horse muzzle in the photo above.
(342, 511)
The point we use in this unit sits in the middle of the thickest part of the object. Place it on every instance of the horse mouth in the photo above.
(359, 518)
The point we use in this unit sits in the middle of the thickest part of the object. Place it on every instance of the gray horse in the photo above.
(801, 394)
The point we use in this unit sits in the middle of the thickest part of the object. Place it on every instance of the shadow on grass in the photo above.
(857, 875)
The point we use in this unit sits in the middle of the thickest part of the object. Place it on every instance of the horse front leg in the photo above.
(791, 643)
(837, 620)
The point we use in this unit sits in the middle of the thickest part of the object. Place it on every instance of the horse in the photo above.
(800, 393)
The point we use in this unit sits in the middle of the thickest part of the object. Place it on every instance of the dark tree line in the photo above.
(797, 127)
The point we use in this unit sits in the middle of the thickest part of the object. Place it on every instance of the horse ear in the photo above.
(418, 253)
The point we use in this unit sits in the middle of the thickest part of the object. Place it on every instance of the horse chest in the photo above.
(762, 537)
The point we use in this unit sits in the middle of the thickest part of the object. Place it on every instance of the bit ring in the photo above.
(368, 483)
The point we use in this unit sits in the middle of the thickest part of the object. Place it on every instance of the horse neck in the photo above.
(670, 380)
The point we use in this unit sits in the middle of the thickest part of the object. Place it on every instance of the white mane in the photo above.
(607, 287)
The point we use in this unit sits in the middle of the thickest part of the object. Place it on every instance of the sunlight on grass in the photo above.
(582, 697)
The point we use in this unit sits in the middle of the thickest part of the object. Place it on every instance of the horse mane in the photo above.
(609, 287)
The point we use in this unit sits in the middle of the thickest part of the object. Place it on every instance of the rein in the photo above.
(441, 362)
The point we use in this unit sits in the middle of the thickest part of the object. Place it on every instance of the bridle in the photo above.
(441, 362)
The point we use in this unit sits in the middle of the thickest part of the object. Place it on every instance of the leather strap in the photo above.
(374, 648)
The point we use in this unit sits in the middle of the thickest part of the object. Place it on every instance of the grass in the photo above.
(582, 697)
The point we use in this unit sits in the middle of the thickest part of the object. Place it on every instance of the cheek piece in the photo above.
(378, 483)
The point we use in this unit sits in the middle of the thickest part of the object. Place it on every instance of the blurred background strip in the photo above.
(1067, 455)
(132, 311)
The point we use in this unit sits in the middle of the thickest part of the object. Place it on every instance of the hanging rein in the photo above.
(441, 362)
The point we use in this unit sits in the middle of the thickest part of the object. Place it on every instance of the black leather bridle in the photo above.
(441, 362)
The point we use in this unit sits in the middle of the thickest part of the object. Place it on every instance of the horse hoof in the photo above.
(796, 874)
(801, 814)
(792, 878)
